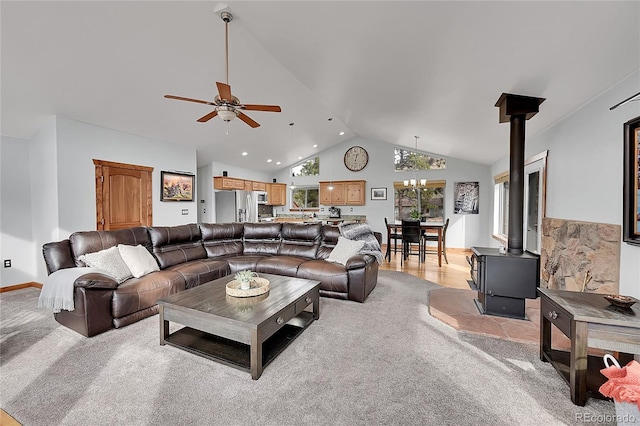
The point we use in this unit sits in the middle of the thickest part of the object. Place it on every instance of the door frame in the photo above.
(537, 163)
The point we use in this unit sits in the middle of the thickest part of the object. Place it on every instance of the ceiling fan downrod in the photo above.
(226, 17)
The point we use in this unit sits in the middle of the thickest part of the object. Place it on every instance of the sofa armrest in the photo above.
(359, 261)
(96, 280)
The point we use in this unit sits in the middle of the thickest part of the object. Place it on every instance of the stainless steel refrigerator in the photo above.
(236, 206)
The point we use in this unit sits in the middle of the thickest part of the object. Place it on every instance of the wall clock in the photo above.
(356, 158)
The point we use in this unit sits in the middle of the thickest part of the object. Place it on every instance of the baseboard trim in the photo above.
(20, 286)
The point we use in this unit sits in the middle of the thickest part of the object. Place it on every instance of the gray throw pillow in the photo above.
(110, 261)
(344, 250)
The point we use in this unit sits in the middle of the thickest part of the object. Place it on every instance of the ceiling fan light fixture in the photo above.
(226, 113)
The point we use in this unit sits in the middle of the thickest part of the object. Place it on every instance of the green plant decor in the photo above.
(245, 275)
(415, 214)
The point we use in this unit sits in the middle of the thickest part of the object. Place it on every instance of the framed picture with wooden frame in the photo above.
(631, 188)
(176, 186)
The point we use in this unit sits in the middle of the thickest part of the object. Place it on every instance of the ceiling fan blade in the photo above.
(180, 98)
(225, 91)
(268, 108)
(248, 120)
(208, 117)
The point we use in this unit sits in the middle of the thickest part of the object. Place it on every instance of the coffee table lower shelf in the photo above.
(235, 354)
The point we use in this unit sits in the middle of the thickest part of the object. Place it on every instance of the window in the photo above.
(406, 160)
(305, 198)
(307, 168)
(425, 202)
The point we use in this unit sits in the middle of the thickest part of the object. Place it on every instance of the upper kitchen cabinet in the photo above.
(344, 193)
(224, 182)
(276, 194)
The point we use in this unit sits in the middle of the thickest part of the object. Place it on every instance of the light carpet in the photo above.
(383, 362)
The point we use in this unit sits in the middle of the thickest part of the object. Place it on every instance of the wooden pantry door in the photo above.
(123, 195)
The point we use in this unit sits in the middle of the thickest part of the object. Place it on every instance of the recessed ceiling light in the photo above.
(269, 160)
(315, 145)
(278, 162)
(341, 133)
(245, 153)
(299, 158)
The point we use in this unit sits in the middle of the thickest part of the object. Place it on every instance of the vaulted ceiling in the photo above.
(382, 70)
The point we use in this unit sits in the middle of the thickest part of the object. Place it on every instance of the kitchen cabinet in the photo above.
(344, 193)
(224, 182)
(276, 194)
(332, 197)
(258, 186)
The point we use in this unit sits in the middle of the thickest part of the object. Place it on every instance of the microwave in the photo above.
(262, 197)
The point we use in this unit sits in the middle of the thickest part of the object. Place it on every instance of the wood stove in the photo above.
(505, 280)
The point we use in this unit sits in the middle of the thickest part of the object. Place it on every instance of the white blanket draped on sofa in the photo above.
(57, 291)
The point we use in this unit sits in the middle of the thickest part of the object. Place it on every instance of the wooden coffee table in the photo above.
(245, 333)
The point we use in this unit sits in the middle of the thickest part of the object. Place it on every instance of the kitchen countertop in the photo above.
(297, 218)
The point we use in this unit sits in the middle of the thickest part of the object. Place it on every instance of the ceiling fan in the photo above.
(227, 106)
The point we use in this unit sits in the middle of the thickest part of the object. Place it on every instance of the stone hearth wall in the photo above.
(573, 250)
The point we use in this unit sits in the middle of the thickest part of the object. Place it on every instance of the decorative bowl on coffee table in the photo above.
(258, 286)
(620, 301)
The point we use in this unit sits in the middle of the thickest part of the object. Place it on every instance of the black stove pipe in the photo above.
(516, 109)
(516, 184)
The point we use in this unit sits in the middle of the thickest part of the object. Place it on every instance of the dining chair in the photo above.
(411, 235)
(394, 235)
(434, 238)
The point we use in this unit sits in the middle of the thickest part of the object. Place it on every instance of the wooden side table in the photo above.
(590, 322)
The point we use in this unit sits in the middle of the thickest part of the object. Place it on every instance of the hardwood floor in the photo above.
(452, 275)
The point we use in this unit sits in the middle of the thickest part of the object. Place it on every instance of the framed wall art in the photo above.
(378, 193)
(466, 197)
(631, 185)
(176, 186)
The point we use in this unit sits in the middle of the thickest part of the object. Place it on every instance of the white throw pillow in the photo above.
(344, 250)
(138, 259)
(110, 261)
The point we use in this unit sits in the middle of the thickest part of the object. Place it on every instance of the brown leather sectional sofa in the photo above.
(190, 255)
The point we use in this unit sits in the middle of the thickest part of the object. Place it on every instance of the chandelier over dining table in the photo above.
(415, 183)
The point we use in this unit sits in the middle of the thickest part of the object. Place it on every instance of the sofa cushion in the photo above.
(330, 235)
(136, 294)
(241, 263)
(110, 261)
(332, 276)
(344, 250)
(261, 238)
(138, 259)
(201, 271)
(222, 239)
(279, 265)
(300, 239)
(176, 244)
(93, 241)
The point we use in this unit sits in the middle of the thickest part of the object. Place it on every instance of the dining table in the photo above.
(426, 227)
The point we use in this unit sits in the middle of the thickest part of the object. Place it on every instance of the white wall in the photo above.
(16, 242)
(79, 143)
(464, 230)
(57, 193)
(584, 167)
